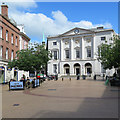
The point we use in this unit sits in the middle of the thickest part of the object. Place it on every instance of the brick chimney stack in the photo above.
(4, 10)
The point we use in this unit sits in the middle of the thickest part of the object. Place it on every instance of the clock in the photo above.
(76, 31)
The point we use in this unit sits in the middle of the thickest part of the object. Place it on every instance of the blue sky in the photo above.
(54, 18)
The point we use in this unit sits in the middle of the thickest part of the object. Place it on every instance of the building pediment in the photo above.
(76, 31)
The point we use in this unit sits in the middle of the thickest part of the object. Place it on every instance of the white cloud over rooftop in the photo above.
(37, 23)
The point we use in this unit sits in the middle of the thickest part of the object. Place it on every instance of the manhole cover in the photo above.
(52, 89)
(16, 104)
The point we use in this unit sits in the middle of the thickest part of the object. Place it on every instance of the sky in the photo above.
(53, 18)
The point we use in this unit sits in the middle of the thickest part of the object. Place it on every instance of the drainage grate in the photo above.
(16, 104)
(115, 90)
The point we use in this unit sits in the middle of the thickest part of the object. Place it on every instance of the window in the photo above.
(24, 44)
(77, 54)
(16, 41)
(16, 55)
(12, 38)
(55, 68)
(102, 69)
(55, 55)
(1, 29)
(103, 38)
(67, 53)
(54, 43)
(6, 35)
(88, 52)
(6, 53)
(12, 53)
(1, 50)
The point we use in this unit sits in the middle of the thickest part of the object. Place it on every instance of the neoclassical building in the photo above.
(75, 51)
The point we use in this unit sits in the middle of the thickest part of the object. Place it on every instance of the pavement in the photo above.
(62, 99)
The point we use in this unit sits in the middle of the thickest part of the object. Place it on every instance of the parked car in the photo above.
(41, 76)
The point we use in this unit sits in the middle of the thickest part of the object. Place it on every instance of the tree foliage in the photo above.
(109, 53)
(31, 59)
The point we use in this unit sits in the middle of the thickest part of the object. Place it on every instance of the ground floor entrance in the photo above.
(2, 74)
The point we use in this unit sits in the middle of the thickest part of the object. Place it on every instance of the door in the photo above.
(89, 71)
(2, 80)
(67, 71)
(15, 75)
(77, 71)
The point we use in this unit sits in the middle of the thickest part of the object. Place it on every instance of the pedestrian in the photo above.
(103, 76)
(24, 76)
(28, 83)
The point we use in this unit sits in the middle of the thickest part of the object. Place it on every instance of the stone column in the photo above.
(93, 47)
(71, 48)
(82, 47)
(61, 50)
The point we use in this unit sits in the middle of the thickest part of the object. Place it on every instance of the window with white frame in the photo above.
(12, 54)
(55, 55)
(12, 38)
(1, 51)
(67, 53)
(1, 29)
(6, 53)
(54, 43)
(77, 53)
(6, 35)
(103, 38)
(54, 68)
(89, 52)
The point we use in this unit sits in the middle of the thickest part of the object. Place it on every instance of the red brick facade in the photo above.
(12, 29)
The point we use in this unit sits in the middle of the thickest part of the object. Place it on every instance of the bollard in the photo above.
(70, 79)
(62, 79)
(94, 77)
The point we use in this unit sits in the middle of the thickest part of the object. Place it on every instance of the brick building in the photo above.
(10, 43)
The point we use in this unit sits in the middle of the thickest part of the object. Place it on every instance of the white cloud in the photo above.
(36, 24)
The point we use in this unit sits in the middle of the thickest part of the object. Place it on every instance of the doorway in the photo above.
(76, 68)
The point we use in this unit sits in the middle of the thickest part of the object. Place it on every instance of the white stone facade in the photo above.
(75, 52)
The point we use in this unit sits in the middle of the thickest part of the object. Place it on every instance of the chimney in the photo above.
(100, 27)
(4, 10)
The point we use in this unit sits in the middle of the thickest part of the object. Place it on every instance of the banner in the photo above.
(16, 85)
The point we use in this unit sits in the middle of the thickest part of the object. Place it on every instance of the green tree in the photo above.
(109, 54)
(31, 59)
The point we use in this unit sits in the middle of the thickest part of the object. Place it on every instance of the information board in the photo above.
(16, 85)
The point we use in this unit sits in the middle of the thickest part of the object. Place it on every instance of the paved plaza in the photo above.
(62, 99)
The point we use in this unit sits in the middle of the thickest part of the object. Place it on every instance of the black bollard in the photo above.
(94, 77)
(62, 79)
(70, 79)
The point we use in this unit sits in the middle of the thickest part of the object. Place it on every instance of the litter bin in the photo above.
(84, 77)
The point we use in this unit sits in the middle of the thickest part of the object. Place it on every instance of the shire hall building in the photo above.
(75, 52)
